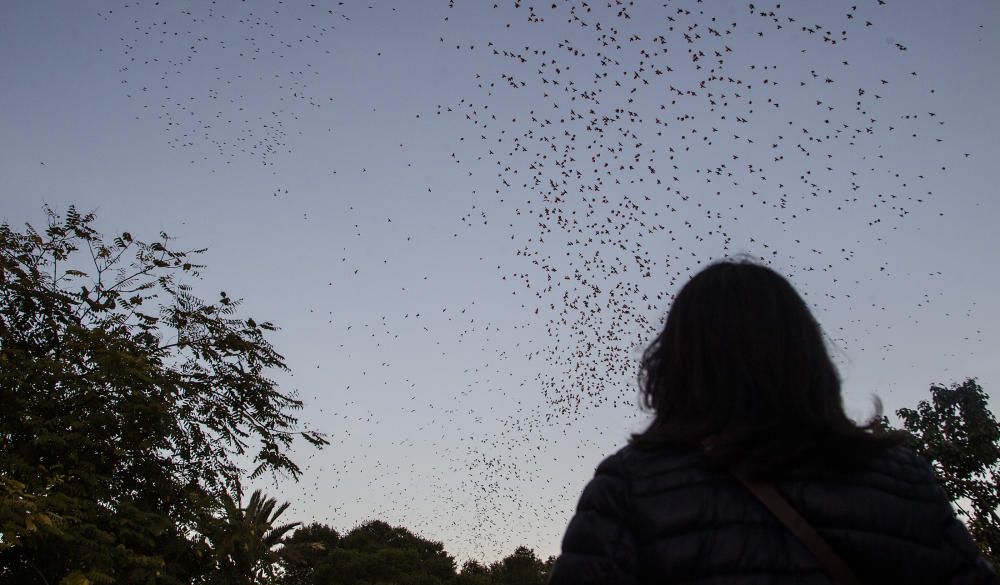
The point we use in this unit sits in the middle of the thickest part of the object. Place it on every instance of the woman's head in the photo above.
(741, 364)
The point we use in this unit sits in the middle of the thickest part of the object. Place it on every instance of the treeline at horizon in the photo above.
(376, 552)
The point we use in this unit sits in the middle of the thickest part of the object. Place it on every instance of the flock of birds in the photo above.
(626, 144)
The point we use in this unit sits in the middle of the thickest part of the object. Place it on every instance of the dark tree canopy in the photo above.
(371, 553)
(245, 540)
(128, 404)
(522, 567)
(377, 553)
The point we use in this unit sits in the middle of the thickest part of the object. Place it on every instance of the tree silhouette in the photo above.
(305, 550)
(372, 553)
(522, 567)
(127, 402)
(245, 540)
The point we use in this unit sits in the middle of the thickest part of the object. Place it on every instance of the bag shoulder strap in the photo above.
(798, 526)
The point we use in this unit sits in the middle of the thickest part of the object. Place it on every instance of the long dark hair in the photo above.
(741, 370)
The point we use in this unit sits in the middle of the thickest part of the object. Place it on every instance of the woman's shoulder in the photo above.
(627, 474)
(636, 464)
(896, 469)
(903, 463)
(633, 457)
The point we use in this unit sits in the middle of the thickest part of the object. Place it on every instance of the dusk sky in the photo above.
(469, 220)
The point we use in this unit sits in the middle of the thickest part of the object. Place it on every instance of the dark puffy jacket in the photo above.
(665, 517)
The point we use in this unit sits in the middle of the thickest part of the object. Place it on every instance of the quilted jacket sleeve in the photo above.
(975, 569)
(598, 546)
(972, 567)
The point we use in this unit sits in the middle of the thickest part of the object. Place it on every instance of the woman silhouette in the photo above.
(745, 394)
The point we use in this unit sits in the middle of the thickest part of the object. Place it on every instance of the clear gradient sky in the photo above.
(377, 178)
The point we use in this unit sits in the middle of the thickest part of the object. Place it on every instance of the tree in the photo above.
(474, 573)
(522, 567)
(376, 553)
(244, 540)
(371, 554)
(304, 550)
(127, 403)
(958, 435)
